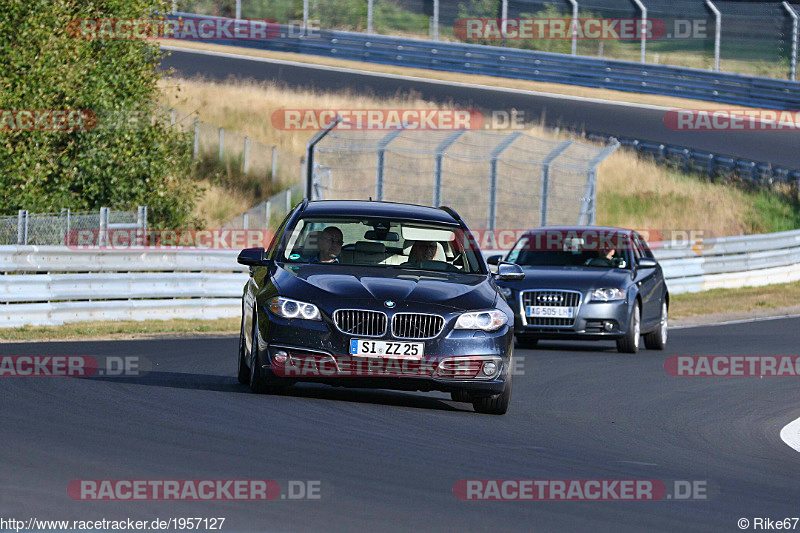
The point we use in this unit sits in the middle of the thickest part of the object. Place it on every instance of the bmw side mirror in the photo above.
(509, 271)
(494, 259)
(647, 262)
(252, 257)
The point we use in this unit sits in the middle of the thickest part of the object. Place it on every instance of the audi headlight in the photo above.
(482, 320)
(608, 295)
(288, 308)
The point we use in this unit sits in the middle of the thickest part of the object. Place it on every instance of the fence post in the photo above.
(246, 154)
(589, 207)
(102, 238)
(269, 212)
(717, 32)
(22, 227)
(274, 162)
(288, 199)
(141, 221)
(68, 224)
(244, 221)
(305, 16)
(491, 222)
(504, 20)
(437, 169)
(643, 25)
(196, 138)
(435, 21)
(546, 179)
(793, 61)
(369, 15)
(574, 26)
(381, 155)
(171, 117)
(221, 142)
(238, 9)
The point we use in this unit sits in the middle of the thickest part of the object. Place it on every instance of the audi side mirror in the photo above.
(509, 271)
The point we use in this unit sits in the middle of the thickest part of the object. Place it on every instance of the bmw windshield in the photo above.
(381, 242)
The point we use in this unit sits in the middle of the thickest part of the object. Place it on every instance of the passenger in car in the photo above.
(329, 245)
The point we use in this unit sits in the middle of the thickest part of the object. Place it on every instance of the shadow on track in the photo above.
(216, 383)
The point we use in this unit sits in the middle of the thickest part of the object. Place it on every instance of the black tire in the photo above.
(243, 372)
(630, 342)
(657, 340)
(257, 383)
(525, 342)
(495, 405)
(461, 396)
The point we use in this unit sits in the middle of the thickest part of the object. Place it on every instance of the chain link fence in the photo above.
(270, 213)
(249, 156)
(757, 38)
(58, 229)
(494, 180)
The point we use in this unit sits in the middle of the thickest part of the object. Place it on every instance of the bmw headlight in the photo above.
(288, 308)
(607, 295)
(482, 320)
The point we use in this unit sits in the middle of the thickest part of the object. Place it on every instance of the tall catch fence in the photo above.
(54, 229)
(494, 180)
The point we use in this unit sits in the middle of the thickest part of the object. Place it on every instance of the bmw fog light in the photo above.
(489, 368)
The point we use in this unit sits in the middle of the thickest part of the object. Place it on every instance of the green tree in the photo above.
(132, 157)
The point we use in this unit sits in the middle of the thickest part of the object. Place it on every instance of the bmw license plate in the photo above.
(537, 311)
(392, 350)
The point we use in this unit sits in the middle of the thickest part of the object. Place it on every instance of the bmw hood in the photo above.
(325, 285)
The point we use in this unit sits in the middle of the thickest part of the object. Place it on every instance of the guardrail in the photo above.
(585, 71)
(48, 285)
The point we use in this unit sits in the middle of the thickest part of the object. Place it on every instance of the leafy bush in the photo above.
(132, 157)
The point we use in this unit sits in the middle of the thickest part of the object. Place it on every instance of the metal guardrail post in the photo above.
(380, 158)
(574, 26)
(643, 9)
(221, 142)
(546, 180)
(717, 32)
(195, 145)
(437, 168)
(370, 7)
(246, 154)
(793, 61)
(491, 222)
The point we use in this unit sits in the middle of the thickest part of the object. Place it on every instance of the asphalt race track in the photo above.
(637, 122)
(389, 460)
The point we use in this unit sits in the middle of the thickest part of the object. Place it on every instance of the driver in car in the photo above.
(604, 258)
(422, 251)
(329, 245)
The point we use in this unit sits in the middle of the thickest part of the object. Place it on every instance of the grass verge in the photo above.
(744, 300)
(121, 330)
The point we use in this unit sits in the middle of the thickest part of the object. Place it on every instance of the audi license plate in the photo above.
(538, 311)
(392, 350)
